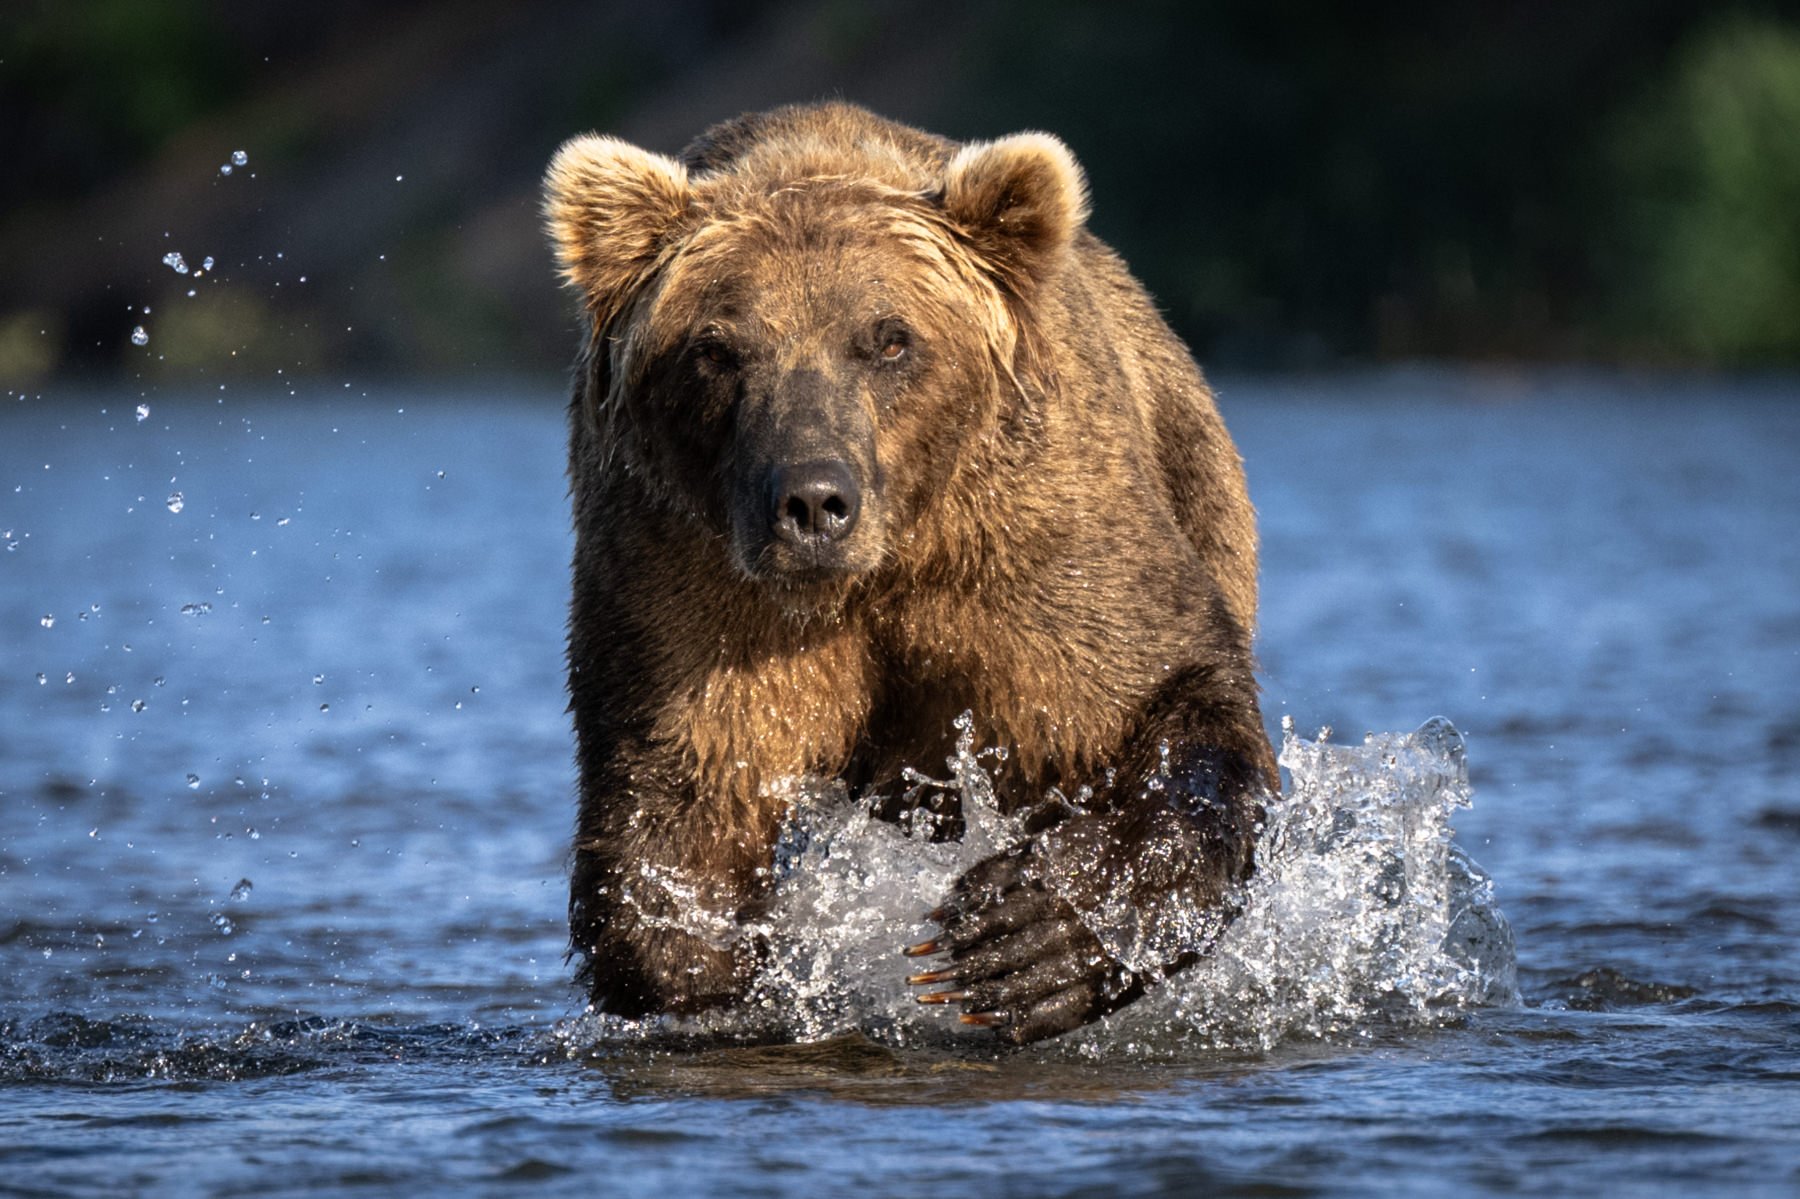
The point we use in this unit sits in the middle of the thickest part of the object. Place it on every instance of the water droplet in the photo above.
(318, 679)
(143, 412)
(41, 679)
(175, 502)
(193, 781)
(139, 337)
(239, 157)
(158, 681)
(138, 705)
(223, 923)
(225, 169)
(283, 521)
(200, 609)
(324, 707)
(207, 265)
(69, 678)
(242, 890)
(175, 262)
(256, 516)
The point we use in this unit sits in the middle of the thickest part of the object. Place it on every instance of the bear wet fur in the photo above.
(868, 430)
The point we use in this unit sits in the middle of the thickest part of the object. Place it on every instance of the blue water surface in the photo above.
(285, 790)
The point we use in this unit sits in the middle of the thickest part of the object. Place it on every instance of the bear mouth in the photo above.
(818, 567)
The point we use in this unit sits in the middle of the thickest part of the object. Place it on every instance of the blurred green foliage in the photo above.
(122, 79)
(1709, 164)
(1298, 182)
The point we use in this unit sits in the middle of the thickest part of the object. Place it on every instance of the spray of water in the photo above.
(1362, 913)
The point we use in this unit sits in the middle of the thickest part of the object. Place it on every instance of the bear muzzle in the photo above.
(808, 518)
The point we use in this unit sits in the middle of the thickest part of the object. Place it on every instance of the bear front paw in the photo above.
(1020, 959)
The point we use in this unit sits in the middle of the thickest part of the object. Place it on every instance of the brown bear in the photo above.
(868, 430)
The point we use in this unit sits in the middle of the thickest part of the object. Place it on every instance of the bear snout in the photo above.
(812, 504)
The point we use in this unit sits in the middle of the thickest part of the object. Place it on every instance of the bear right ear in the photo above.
(609, 208)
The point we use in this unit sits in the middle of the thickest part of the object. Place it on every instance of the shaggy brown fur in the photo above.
(1039, 518)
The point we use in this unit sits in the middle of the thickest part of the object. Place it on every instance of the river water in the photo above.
(285, 791)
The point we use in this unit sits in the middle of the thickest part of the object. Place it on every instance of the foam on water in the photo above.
(1362, 913)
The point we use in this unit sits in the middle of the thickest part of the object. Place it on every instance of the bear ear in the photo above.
(1019, 200)
(609, 208)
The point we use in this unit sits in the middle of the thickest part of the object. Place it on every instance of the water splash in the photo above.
(851, 889)
(1362, 913)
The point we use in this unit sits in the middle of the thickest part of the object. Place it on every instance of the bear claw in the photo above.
(998, 1019)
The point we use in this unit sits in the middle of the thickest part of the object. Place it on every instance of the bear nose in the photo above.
(814, 501)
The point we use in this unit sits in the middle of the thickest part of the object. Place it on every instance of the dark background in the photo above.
(1300, 184)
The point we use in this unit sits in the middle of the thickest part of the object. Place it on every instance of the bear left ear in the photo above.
(1020, 202)
(610, 209)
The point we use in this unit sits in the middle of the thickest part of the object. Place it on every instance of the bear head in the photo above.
(801, 345)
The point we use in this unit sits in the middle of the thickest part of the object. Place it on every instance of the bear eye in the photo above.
(715, 353)
(891, 342)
